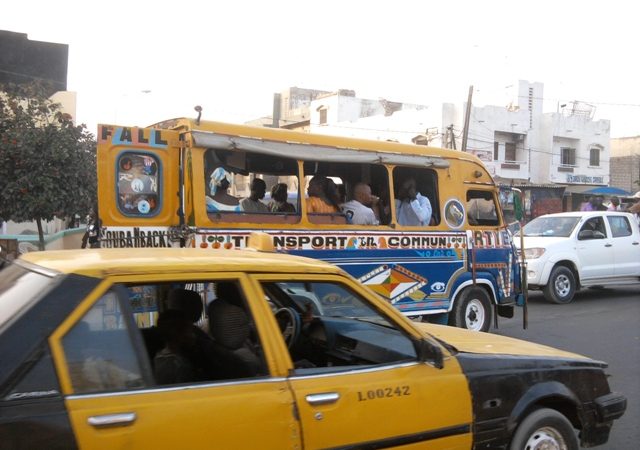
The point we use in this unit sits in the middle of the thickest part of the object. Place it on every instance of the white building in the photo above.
(518, 142)
(343, 114)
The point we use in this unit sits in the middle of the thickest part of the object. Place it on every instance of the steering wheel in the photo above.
(289, 321)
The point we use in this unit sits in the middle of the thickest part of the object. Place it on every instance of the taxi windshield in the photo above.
(19, 288)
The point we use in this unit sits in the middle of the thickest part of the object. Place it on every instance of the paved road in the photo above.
(603, 324)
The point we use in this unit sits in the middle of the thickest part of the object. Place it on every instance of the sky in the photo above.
(138, 62)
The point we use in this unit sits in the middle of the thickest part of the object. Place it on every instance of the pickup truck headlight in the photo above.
(533, 253)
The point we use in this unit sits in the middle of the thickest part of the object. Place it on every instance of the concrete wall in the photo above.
(625, 163)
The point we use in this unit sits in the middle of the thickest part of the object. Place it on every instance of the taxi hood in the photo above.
(466, 341)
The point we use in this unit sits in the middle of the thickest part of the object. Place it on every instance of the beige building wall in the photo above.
(68, 102)
(625, 163)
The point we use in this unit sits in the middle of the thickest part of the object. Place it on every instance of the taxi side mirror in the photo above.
(430, 353)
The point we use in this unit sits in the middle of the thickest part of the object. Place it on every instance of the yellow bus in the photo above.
(436, 246)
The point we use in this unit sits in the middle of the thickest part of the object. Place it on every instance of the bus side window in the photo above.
(411, 183)
(481, 208)
(335, 193)
(138, 184)
(243, 186)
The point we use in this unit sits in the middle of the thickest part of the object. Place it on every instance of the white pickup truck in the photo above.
(567, 251)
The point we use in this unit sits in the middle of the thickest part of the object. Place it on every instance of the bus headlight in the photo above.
(533, 253)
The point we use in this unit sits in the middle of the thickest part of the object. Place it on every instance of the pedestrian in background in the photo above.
(615, 204)
(92, 235)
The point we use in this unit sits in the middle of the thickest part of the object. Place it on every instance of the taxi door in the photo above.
(410, 404)
(128, 411)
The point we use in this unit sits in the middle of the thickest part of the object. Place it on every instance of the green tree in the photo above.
(47, 164)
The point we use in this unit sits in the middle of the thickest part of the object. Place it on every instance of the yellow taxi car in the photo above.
(241, 349)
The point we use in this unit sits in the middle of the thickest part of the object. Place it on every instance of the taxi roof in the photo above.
(100, 262)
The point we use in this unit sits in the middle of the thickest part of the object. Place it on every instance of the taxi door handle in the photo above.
(608, 245)
(112, 420)
(325, 398)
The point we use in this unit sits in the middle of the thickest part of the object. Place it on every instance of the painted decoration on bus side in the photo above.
(393, 281)
(445, 243)
(416, 272)
(132, 136)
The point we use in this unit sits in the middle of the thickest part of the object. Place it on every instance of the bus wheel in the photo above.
(472, 310)
(545, 428)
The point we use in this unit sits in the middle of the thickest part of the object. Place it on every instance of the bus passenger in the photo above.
(412, 208)
(220, 199)
(252, 204)
(323, 196)
(279, 203)
(361, 210)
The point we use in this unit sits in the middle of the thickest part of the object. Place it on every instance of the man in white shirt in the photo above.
(412, 208)
(359, 210)
(252, 204)
(615, 204)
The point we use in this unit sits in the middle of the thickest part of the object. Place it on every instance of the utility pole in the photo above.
(465, 131)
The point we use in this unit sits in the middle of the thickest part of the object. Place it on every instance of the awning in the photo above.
(580, 188)
(607, 190)
(310, 152)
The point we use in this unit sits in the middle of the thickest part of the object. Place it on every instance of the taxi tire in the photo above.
(541, 424)
(561, 278)
(472, 298)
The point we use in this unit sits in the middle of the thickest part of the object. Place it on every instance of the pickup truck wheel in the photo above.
(561, 286)
(544, 429)
(472, 310)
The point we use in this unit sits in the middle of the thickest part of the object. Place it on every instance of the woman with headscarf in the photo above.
(324, 197)
(220, 199)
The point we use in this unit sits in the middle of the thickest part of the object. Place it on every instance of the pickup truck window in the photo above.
(620, 226)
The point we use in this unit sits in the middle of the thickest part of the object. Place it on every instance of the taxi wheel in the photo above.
(561, 285)
(545, 429)
(472, 310)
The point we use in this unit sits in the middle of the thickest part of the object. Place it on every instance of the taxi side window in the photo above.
(99, 352)
(197, 331)
(329, 328)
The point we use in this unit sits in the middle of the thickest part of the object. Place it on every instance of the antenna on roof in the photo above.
(198, 109)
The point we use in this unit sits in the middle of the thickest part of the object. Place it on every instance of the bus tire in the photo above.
(472, 310)
(544, 428)
(561, 286)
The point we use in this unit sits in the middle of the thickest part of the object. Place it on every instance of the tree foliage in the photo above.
(47, 164)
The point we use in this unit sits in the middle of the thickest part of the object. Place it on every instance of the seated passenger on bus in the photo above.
(252, 204)
(279, 203)
(362, 209)
(412, 208)
(323, 196)
(220, 199)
